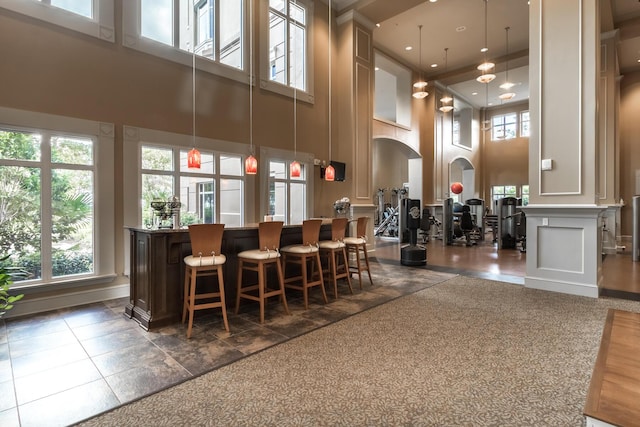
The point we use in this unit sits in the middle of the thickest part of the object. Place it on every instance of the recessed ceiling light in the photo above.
(461, 28)
(378, 25)
(474, 93)
(408, 48)
(434, 65)
(432, 1)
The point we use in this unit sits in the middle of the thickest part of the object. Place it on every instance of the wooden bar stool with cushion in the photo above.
(205, 260)
(357, 244)
(305, 255)
(258, 260)
(334, 250)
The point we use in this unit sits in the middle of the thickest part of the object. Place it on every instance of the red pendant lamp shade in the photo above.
(294, 168)
(329, 173)
(251, 165)
(193, 159)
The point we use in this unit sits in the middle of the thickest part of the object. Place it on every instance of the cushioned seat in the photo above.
(205, 260)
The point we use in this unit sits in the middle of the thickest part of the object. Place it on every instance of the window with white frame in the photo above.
(501, 191)
(524, 195)
(288, 43)
(92, 17)
(173, 29)
(504, 126)
(287, 195)
(524, 124)
(52, 195)
(212, 194)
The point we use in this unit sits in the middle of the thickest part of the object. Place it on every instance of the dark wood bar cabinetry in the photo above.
(157, 268)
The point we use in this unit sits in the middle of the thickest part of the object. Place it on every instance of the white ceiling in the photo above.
(459, 25)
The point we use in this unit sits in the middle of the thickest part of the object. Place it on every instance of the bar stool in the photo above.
(258, 260)
(333, 250)
(305, 254)
(205, 260)
(355, 245)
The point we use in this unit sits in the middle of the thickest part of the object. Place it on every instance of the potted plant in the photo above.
(6, 280)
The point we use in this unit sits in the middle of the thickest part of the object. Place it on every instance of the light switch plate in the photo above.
(546, 164)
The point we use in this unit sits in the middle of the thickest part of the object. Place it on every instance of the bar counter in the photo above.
(157, 268)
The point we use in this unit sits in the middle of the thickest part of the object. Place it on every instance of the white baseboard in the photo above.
(580, 289)
(68, 299)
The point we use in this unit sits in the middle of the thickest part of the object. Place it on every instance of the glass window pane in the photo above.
(81, 7)
(510, 131)
(206, 163)
(72, 222)
(231, 202)
(277, 200)
(277, 52)
(20, 231)
(19, 145)
(204, 30)
(197, 197)
(77, 151)
(230, 33)
(154, 187)
(154, 158)
(278, 170)
(230, 165)
(298, 55)
(156, 20)
(297, 13)
(278, 5)
(510, 190)
(298, 198)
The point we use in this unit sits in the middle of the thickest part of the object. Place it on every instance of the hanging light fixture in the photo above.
(294, 167)
(421, 84)
(446, 98)
(486, 66)
(329, 171)
(507, 84)
(193, 156)
(251, 163)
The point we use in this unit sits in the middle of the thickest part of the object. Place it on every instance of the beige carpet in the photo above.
(466, 352)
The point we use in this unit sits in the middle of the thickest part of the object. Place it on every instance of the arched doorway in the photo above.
(462, 170)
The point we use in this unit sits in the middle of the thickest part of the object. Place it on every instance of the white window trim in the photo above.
(134, 137)
(265, 81)
(273, 154)
(132, 38)
(102, 26)
(104, 196)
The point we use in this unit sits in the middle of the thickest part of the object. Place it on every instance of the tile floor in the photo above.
(64, 366)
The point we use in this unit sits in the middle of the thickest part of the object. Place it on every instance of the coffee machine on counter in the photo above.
(166, 213)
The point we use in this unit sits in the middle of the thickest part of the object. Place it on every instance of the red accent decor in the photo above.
(294, 168)
(456, 188)
(193, 159)
(329, 173)
(251, 165)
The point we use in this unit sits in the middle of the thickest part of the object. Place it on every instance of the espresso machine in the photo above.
(166, 213)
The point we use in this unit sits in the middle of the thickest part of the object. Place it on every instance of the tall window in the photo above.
(213, 28)
(47, 189)
(287, 43)
(524, 194)
(504, 126)
(213, 193)
(524, 124)
(287, 195)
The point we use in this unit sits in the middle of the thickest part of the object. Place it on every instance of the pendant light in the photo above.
(193, 156)
(507, 84)
(486, 66)
(294, 167)
(329, 172)
(250, 163)
(420, 85)
(446, 98)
